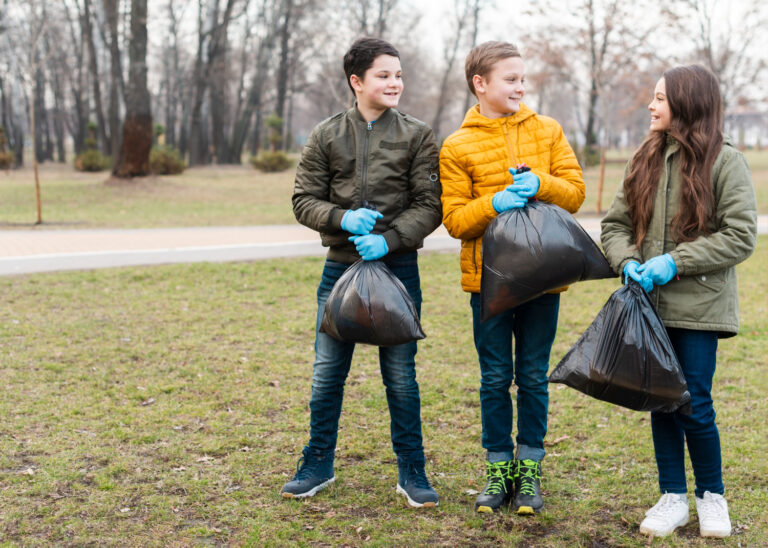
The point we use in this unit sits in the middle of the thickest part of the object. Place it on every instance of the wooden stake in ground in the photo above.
(601, 180)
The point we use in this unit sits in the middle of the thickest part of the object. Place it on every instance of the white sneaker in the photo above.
(713, 515)
(667, 515)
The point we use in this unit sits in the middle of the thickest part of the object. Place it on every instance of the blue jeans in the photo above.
(398, 372)
(533, 325)
(696, 351)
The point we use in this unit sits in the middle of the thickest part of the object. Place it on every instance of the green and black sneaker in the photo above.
(527, 487)
(499, 487)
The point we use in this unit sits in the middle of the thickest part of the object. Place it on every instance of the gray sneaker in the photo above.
(412, 483)
(314, 472)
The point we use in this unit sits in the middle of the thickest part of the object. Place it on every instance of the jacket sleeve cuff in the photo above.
(393, 240)
(334, 220)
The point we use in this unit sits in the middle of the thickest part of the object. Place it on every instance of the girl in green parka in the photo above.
(684, 216)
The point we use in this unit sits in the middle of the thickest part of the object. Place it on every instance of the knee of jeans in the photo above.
(532, 381)
(700, 420)
(401, 382)
(495, 381)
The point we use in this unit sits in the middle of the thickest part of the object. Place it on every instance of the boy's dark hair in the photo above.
(361, 55)
(481, 59)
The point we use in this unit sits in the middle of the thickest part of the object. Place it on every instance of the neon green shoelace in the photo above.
(496, 477)
(528, 471)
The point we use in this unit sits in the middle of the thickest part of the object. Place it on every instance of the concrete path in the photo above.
(45, 250)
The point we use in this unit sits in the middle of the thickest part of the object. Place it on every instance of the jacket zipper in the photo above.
(364, 189)
(509, 145)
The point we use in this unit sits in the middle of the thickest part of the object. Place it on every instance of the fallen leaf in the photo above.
(274, 384)
(29, 472)
(150, 401)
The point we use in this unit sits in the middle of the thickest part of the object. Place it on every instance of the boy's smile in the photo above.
(380, 88)
(501, 92)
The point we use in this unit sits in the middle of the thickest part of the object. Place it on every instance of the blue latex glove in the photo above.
(360, 221)
(526, 183)
(659, 269)
(630, 271)
(370, 246)
(507, 199)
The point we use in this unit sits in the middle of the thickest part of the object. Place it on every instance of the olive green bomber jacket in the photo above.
(391, 164)
(703, 295)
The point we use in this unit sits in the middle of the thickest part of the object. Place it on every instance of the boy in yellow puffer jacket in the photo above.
(477, 169)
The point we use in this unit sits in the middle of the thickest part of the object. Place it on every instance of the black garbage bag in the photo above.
(369, 304)
(625, 357)
(531, 250)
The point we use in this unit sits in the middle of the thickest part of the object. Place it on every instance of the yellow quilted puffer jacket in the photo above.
(474, 165)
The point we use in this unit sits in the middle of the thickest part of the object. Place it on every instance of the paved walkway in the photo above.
(45, 250)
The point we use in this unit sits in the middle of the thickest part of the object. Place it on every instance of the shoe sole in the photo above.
(486, 509)
(651, 532)
(311, 493)
(412, 503)
(714, 534)
(526, 510)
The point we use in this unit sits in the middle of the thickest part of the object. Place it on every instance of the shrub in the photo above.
(165, 160)
(6, 159)
(92, 160)
(271, 162)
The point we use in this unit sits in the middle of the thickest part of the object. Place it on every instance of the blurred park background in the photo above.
(200, 82)
(167, 405)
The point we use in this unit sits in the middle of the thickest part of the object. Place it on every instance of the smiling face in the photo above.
(500, 92)
(661, 115)
(380, 87)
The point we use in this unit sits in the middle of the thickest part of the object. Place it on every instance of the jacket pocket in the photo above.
(711, 281)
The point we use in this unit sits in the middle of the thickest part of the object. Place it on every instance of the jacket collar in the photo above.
(355, 115)
(473, 118)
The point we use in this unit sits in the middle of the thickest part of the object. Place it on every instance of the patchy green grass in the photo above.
(215, 196)
(203, 196)
(166, 406)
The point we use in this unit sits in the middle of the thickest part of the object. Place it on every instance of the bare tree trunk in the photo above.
(197, 152)
(256, 137)
(450, 57)
(112, 12)
(469, 98)
(77, 126)
(171, 67)
(282, 69)
(106, 147)
(218, 83)
(137, 129)
(253, 103)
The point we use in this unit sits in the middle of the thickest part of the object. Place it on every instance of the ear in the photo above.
(356, 82)
(479, 83)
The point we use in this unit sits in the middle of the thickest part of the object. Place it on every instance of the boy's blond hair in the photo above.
(481, 59)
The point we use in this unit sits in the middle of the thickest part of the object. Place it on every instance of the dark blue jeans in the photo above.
(398, 372)
(533, 325)
(696, 351)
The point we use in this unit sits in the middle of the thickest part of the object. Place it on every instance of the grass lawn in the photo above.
(166, 406)
(215, 196)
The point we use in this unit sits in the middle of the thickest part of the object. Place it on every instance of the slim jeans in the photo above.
(533, 325)
(696, 351)
(398, 371)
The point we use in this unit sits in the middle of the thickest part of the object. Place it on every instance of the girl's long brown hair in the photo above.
(693, 95)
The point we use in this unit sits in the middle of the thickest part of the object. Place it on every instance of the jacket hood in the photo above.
(473, 118)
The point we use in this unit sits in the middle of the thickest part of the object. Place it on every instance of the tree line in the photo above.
(221, 79)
